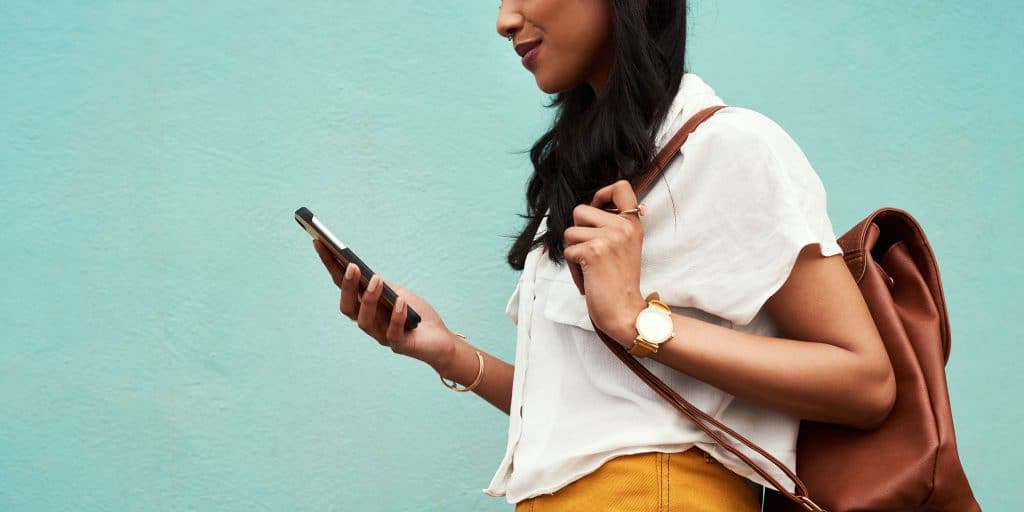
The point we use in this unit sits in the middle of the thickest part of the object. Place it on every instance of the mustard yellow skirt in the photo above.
(689, 481)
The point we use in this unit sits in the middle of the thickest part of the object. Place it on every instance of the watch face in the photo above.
(654, 326)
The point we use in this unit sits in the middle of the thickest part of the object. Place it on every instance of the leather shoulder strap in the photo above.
(672, 148)
(712, 427)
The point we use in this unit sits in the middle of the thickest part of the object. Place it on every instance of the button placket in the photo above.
(524, 330)
(526, 309)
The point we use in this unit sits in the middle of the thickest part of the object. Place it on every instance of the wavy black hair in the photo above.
(597, 140)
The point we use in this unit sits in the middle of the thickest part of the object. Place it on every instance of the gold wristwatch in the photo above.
(653, 327)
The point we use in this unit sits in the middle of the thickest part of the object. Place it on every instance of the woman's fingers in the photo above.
(395, 335)
(363, 306)
(589, 216)
(332, 264)
(350, 292)
(579, 234)
(620, 194)
(367, 316)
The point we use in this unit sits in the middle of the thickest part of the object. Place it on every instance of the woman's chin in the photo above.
(549, 86)
(547, 90)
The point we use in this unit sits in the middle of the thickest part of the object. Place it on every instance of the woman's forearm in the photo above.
(463, 367)
(808, 379)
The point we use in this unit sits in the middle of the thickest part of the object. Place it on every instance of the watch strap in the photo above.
(642, 348)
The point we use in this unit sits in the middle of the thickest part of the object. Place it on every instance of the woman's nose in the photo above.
(509, 19)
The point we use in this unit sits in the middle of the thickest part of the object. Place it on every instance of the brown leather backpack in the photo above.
(910, 462)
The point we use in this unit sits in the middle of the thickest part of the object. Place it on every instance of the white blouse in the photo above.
(723, 228)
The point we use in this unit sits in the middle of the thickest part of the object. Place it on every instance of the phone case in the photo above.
(317, 230)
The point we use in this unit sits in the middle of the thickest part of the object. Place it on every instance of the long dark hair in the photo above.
(595, 141)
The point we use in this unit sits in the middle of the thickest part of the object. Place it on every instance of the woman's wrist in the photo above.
(465, 366)
(444, 364)
(624, 331)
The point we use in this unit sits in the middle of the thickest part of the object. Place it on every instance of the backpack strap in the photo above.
(672, 147)
(712, 427)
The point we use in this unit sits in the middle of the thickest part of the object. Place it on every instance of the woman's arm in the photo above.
(462, 366)
(831, 367)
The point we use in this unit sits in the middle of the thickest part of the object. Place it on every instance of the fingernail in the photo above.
(373, 283)
(348, 272)
(398, 304)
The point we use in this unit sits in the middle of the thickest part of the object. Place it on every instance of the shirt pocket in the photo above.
(564, 303)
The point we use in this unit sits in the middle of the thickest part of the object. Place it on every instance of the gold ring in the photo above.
(640, 210)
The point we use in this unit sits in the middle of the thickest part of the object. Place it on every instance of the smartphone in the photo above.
(343, 254)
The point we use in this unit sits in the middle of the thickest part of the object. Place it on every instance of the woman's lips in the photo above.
(530, 57)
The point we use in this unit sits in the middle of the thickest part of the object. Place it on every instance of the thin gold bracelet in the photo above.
(479, 374)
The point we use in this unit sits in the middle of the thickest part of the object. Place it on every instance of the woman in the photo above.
(767, 324)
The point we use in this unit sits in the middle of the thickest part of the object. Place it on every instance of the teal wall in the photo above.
(169, 339)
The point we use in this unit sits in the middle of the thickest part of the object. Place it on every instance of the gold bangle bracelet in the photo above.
(479, 374)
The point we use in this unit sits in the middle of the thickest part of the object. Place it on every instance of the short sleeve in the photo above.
(746, 202)
(512, 306)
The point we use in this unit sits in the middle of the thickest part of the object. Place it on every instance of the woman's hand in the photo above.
(607, 247)
(431, 341)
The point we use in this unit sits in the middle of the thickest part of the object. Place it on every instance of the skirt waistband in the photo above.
(690, 481)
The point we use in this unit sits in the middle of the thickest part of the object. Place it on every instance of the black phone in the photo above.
(343, 254)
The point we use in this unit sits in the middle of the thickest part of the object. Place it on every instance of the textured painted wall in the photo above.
(170, 341)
